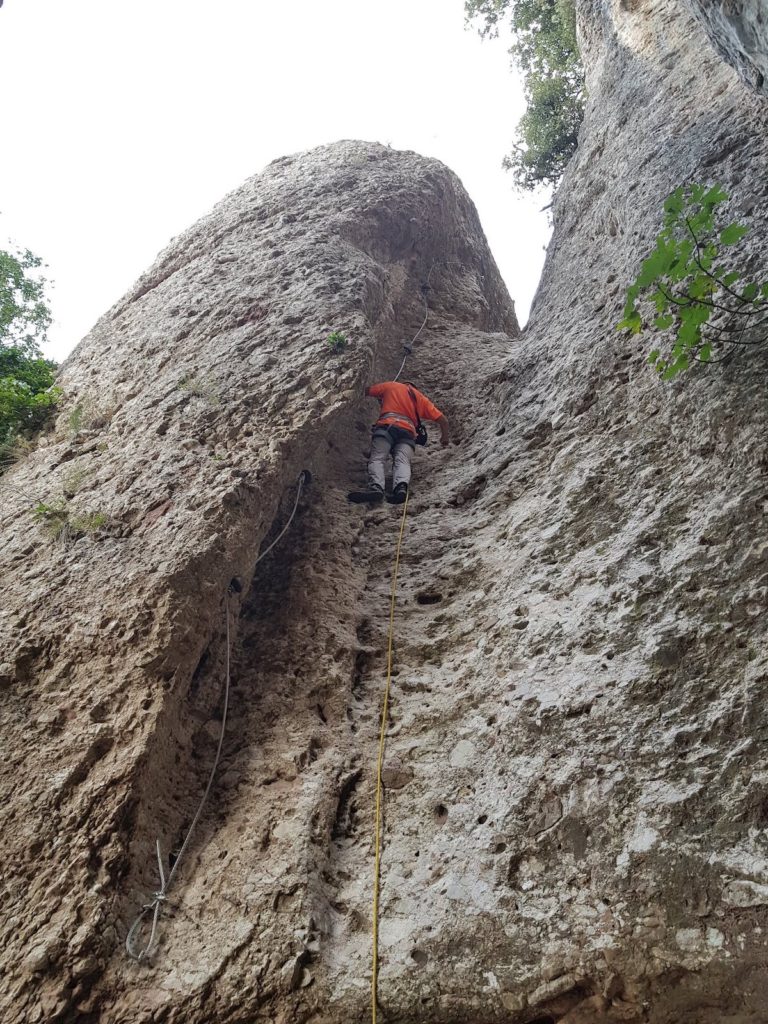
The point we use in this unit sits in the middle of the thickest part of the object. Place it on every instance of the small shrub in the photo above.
(75, 418)
(87, 522)
(54, 517)
(204, 389)
(63, 524)
(87, 414)
(702, 307)
(337, 342)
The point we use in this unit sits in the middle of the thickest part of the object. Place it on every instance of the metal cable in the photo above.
(158, 898)
(154, 906)
(409, 346)
(304, 477)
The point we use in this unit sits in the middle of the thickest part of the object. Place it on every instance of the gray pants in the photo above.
(381, 446)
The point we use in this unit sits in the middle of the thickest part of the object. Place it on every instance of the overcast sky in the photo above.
(125, 122)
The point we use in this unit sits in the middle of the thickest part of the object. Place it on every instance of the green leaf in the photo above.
(683, 265)
(699, 223)
(633, 323)
(653, 357)
(700, 314)
(731, 278)
(701, 287)
(714, 196)
(705, 353)
(656, 265)
(749, 292)
(660, 301)
(732, 234)
(663, 322)
(674, 201)
(690, 332)
(695, 192)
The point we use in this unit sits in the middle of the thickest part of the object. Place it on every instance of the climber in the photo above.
(396, 432)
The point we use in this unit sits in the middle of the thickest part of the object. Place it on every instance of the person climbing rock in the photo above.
(396, 432)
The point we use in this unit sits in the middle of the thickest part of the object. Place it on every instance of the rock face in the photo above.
(575, 783)
(190, 410)
(738, 30)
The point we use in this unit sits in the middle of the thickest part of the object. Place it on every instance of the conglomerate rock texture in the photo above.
(576, 789)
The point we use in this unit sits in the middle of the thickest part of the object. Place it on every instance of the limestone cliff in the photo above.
(575, 786)
(738, 29)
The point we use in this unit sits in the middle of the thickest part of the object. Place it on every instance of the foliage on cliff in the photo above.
(703, 307)
(546, 52)
(26, 378)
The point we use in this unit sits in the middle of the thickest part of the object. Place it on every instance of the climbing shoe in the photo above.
(372, 495)
(399, 494)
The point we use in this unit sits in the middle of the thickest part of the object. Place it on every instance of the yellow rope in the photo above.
(382, 739)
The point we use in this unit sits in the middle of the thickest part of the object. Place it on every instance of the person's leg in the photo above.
(402, 471)
(377, 462)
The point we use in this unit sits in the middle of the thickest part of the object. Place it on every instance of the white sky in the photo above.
(124, 122)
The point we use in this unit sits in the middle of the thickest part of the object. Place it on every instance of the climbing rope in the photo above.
(382, 743)
(154, 907)
(408, 345)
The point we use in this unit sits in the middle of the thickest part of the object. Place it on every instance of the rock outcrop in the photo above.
(190, 410)
(738, 29)
(576, 793)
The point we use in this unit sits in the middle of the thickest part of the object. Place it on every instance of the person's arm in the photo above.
(445, 434)
(428, 411)
(374, 391)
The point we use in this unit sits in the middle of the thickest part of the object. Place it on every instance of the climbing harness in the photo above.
(154, 907)
(382, 743)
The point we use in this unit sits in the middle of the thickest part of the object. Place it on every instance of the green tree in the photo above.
(546, 52)
(26, 378)
(701, 303)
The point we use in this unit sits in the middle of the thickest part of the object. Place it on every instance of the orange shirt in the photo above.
(397, 406)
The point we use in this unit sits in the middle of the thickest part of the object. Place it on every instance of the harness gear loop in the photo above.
(380, 763)
(155, 905)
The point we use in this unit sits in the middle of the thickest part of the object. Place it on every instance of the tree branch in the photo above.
(690, 301)
(738, 327)
(709, 274)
